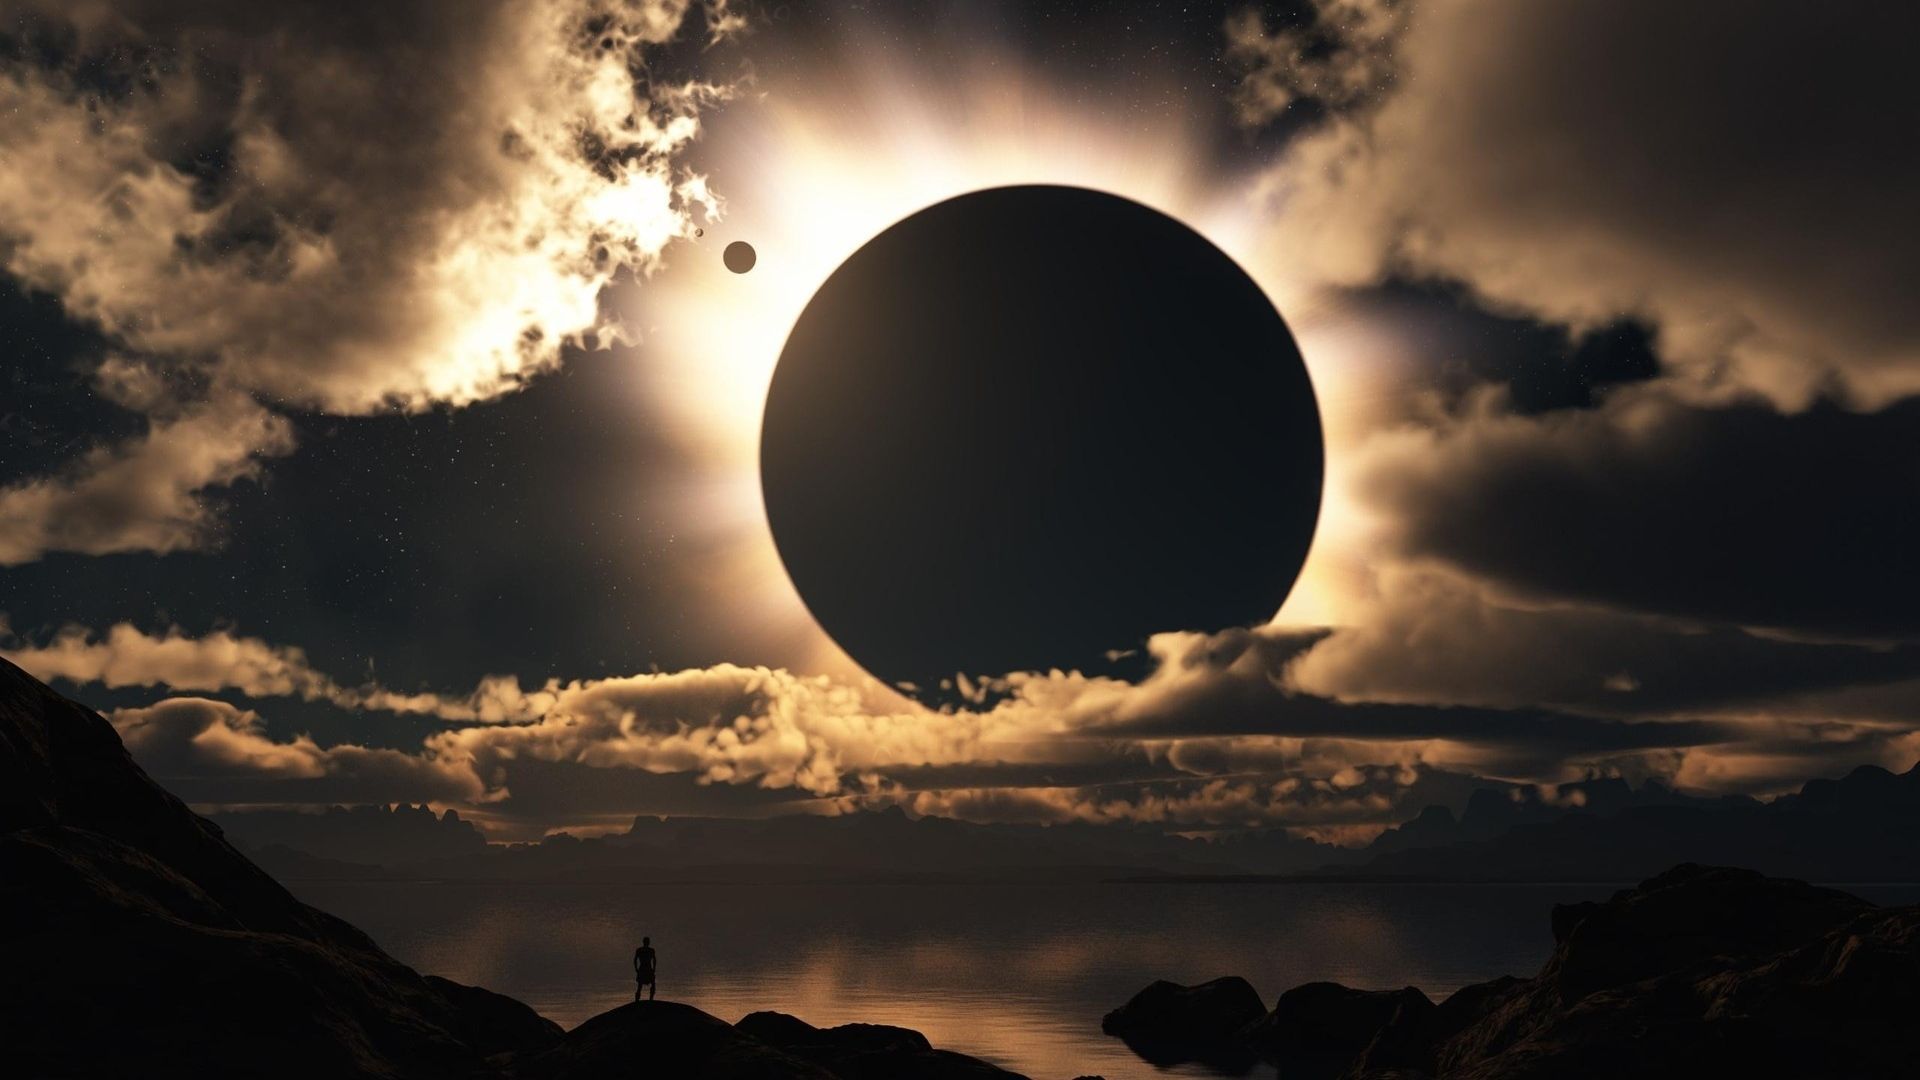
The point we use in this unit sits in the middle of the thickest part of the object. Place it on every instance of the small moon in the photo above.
(739, 256)
(699, 233)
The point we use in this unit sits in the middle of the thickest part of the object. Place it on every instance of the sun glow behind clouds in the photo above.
(810, 170)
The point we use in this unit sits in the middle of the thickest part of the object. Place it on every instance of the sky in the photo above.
(378, 422)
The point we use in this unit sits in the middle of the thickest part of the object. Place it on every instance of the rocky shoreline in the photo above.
(1700, 971)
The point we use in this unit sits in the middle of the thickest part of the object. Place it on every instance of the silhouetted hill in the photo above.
(863, 846)
(1863, 827)
(1700, 971)
(1491, 812)
(139, 942)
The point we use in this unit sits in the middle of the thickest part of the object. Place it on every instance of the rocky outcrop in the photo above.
(867, 1051)
(666, 1039)
(1706, 971)
(495, 1023)
(1169, 1012)
(1701, 971)
(661, 1038)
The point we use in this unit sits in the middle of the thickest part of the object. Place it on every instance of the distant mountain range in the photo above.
(879, 844)
(1862, 827)
(362, 834)
(1865, 826)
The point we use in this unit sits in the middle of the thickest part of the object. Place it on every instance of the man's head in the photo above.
(646, 941)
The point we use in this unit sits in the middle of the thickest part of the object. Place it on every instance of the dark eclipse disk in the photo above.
(1030, 426)
(739, 256)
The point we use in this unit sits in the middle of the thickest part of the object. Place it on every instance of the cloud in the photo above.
(733, 724)
(143, 494)
(1744, 184)
(1438, 637)
(344, 208)
(203, 748)
(125, 656)
(1217, 803)
(1717, 545)
(1250, 726)
(1736, 515)
(1341, 58)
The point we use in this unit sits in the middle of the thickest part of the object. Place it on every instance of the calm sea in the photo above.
(1016, 974)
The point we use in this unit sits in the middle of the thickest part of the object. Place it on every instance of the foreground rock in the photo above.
(1701, 971)
(667, 1039)
(867, 1051)
(137, 942)
(1322, 1026)
(1168, 1024)
(1168, 1011)
(661, 1038)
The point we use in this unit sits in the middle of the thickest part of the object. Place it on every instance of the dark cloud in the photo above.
(1805, 522)
(1541, 366)
(1741, 182)
(212, 751)
(546, 794)
(1436, 636)
(1658, 463)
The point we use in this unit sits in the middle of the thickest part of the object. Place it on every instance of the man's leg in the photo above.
(652, 988)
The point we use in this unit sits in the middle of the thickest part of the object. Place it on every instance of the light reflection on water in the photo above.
(1017, 974)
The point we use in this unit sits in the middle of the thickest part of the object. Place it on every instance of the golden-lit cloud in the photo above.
(428, 221)
(1757, 215)
(203, 740)
(424, 218)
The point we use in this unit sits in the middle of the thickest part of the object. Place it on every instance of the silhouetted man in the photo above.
(643, 969)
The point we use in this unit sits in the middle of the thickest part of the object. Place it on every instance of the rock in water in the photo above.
(1324, 1018)
(1168, 1023)
(1170, 1012)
